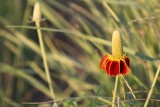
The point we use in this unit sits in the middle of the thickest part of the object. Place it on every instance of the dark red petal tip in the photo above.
(127, 61)
(122, 67)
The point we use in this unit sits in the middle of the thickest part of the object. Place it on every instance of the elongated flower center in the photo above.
(117, 47)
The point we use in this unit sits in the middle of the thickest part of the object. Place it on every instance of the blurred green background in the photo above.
(77, 34)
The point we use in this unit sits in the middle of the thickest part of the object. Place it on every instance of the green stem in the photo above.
(114, 92)
(128, 87)
(152, 87)
(44, 59)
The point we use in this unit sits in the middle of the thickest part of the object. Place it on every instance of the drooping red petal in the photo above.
(108, 64)
(127, 61)
(114, 69)
(123, 67)
(103, 62)
(127, 70)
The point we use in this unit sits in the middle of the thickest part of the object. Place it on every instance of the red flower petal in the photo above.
(104, 61)
(114, 68)
(127, 61)
(127, 70)
(123, 67)
(108, 64)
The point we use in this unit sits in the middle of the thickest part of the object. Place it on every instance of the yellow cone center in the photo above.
(117, 46)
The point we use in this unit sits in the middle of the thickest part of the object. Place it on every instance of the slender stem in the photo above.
(114, 92)
(152, 87)
(118, 102)
(129, 87)
(45, 59)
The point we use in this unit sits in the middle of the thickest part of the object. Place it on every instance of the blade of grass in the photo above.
(8, 69)
(91, 38)
(152, 86)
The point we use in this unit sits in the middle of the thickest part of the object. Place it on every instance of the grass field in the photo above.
(75, 34)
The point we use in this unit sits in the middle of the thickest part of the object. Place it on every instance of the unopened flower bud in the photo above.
(37, 12)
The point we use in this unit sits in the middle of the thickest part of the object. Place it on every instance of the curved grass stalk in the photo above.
(152, 87)
(128, 87)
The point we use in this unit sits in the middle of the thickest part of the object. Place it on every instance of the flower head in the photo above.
(37, 12)
(117, 63)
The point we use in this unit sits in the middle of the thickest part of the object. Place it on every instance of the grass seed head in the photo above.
(37, 12)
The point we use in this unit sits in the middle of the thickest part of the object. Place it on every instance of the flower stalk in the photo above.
(37, 18)
(114, 92)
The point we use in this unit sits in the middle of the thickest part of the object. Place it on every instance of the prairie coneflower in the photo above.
(117, 63)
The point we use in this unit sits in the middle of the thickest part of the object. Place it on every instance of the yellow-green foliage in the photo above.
(76, 34)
